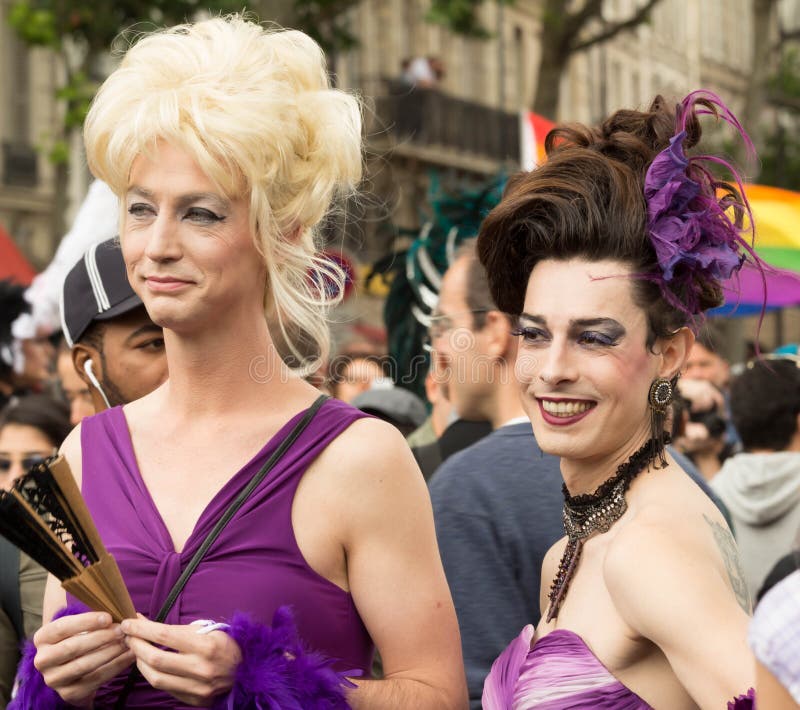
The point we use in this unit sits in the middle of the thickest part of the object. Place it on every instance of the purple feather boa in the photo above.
(691, 229)
(278, 673)
(744, 702)
(31, 692)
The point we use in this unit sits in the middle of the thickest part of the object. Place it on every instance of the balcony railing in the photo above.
(431, 118)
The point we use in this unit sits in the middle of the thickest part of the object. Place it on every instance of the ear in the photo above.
(80, 354)
(674, 352)
(498, 331)
(431, 387)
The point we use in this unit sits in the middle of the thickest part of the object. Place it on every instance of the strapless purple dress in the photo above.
(560, 672)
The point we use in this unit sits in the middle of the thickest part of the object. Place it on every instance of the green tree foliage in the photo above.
(326, 22)
(461, 16)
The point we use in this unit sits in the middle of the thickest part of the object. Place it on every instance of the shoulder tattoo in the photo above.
(730, 555)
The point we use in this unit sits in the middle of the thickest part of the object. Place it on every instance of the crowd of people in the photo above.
(582, 513)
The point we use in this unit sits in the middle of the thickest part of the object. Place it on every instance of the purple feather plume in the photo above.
(695, 239)
(32, 693)
(744, 702)
(278, 673)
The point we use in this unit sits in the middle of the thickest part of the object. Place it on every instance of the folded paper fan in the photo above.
(45, 516)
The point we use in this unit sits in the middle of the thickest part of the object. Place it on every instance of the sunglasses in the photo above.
(27, 463)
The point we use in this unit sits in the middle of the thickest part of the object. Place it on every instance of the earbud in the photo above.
(87, 368)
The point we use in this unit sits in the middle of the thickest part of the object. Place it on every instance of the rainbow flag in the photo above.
(777, 216)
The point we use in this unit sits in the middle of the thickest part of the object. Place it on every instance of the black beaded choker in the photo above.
(596, 512)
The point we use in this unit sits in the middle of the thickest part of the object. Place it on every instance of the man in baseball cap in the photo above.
(116, 349)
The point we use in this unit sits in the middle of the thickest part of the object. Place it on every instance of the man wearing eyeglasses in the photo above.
(496, 503)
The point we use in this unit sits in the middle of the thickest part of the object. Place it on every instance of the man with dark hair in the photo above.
(354, 372)
(116, 349)
(761, 485)
(497, 503)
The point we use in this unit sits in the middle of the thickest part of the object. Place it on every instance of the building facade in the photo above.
(467, 127)
(28, 120)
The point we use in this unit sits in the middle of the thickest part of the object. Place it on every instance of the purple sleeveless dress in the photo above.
(254, 566)
(559, 673)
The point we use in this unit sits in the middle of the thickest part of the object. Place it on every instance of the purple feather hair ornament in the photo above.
(697, 234)
(278, 673)
(31, 692)
(743, 702)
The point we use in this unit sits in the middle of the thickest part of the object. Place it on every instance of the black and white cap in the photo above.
(96, 288)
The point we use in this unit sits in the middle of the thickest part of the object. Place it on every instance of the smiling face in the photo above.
(583, 363)
(189, 250)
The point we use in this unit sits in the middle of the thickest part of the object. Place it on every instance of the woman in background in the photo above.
(31, 429)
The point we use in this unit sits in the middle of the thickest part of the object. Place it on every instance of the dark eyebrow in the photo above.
(184, 201)
(539, 320)
(593, 322)
(578, 323)
(147, 328)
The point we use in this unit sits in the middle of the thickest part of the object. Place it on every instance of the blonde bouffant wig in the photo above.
(255, 109)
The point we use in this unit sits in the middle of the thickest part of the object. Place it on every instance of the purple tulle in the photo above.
(32, 693)
(744, 702)
(278, 673)
(691, 229)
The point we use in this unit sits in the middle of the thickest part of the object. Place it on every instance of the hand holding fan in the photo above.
(45, 516)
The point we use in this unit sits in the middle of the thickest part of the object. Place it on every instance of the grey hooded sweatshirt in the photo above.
(762, 493)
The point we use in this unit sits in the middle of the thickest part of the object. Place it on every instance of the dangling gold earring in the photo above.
(662, 392)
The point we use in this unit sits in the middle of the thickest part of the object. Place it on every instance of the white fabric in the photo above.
(775, 633)
(762, 494)
(96, 221)
(419, 71)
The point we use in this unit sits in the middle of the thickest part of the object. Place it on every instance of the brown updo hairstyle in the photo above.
(587, 202)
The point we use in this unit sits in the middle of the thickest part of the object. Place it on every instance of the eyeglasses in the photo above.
(27, 462)
(442, 324)
(774, 357)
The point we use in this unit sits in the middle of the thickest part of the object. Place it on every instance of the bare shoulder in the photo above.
(669, 515)
(660, 533)
(370, 474)
(372, 451)
(71, 451)
(673, 552)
